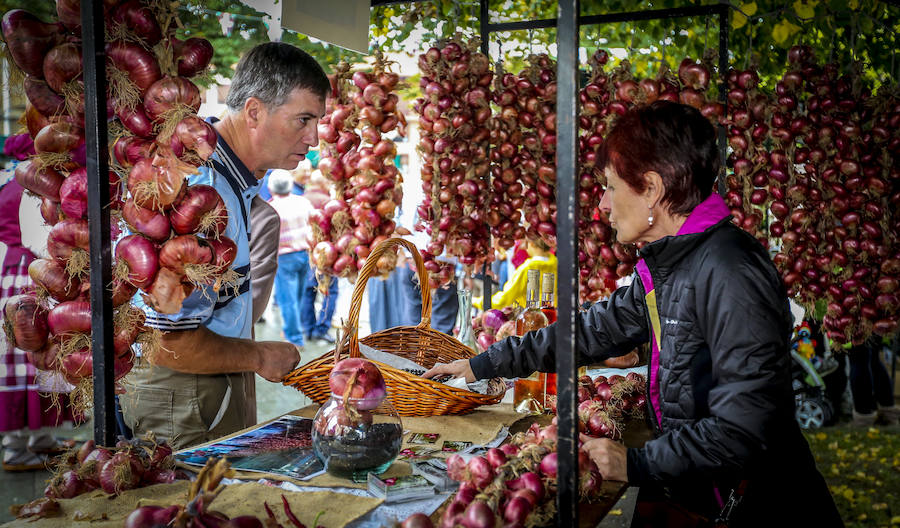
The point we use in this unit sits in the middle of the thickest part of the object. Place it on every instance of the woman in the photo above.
(716, 314)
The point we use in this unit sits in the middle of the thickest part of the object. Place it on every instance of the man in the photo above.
(195, 392)
(317, 324)
(293, 257)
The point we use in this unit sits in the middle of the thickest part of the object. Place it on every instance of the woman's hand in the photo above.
(458, 369)
(611, 457)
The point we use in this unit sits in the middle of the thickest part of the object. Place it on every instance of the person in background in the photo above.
(196, 393)
(27, 409)
(713, 307)
(293, 254)
(317, 324)
(870, 386)
(540, 258)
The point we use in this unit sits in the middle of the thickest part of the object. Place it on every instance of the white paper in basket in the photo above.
(392, 360)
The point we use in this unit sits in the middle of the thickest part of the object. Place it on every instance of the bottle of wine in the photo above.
(528, 393)
(548, 283)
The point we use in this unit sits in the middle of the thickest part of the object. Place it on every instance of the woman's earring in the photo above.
(650, 218)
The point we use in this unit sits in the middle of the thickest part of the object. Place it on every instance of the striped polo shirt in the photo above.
(226, 312)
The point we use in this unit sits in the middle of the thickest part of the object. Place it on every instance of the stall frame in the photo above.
(568, 23)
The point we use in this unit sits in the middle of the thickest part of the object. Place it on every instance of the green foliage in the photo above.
(45, 10)
(862, 469)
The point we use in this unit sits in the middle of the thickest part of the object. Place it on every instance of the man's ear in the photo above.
(655, 190)
(253, 109)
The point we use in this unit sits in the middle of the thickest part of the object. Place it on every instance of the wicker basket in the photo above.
(411, 395)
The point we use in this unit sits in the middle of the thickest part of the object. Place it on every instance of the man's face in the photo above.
(287, 132)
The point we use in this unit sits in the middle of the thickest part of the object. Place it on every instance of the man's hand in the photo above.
(611, 457)
(458, 369)
(277, 359)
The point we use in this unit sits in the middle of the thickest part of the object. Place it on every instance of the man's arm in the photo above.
(200, 351)
(265, 227)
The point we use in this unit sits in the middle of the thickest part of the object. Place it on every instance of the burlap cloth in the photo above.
(479, 427)
(237, 499)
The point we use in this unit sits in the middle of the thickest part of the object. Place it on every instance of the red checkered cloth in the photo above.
(21, 404)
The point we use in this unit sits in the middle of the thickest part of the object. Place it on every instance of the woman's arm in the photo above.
(603, 331)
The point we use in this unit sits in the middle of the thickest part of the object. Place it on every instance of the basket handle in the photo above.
(368, 270)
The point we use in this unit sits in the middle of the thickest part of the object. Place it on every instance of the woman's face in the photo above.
(627, 209)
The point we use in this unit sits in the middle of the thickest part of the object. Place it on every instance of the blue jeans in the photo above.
(289, 281)
(314, 324)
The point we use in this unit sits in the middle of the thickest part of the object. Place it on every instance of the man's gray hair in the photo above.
(271, 71)
(280, 182)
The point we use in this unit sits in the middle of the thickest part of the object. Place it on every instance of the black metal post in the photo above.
(567, 44)
(723, 91)
(94, 59)
(486, 286)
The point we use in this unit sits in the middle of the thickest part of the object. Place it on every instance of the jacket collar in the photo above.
(708, 214)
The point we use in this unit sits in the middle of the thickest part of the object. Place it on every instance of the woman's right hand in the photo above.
(458, 369)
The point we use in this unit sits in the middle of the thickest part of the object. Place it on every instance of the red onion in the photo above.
(139, 20)
(28, 40)
(44, 182)
(140, 257)
(137, 62)
(60, 137)
(199, 209)
(168, 291)
(121, 472)
(67, 236)
(51, 275)
(224, 253)
(25, 323)
(152, 224)
(363, 380)
(169, 93)
(194, 140)
(157, 183)
(192, 55)
(61, 65)
(136, 121)
(70, 317)
(180, 252)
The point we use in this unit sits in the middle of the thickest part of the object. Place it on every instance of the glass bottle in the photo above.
(548, 281)
(466, 333)
(528, 393)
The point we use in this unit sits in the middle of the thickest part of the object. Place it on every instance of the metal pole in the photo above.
(567, 252)
(485, 35)
(94, 58)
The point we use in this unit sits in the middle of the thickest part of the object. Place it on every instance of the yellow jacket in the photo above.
(514, 290)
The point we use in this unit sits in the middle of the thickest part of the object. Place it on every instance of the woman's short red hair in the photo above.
(672, 139)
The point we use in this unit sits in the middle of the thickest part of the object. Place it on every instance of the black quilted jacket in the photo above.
(722, 406)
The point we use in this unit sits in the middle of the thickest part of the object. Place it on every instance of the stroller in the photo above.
(812, 408)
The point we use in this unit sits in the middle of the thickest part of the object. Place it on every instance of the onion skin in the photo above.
(67, 236)
(182, 250)
(61, 137)
(168, 92)
(51, 275)
(129, 150)
(47, 102)
(138, 63)
(44, 182)
(192, 55)
(50, 211)
(368, 388)
(29, 39)
(61, 65)
(156, 183)
(189, 211)
(141, 257)
(224, 253)
(136, 121)
(70, 317)
(193, 138)
(139, 20)
(25, 323)
(152, 224)
(167, 292)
